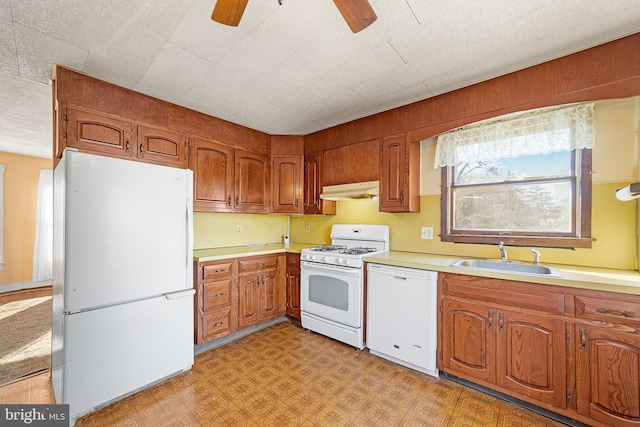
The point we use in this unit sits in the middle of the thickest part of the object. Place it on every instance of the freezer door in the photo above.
(117, 350)
(127, 230)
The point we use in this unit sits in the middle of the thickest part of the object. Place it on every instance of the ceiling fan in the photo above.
(357, 13)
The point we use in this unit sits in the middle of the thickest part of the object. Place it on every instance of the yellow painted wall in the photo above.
(19, 230)
(217, 230)
(615, 164)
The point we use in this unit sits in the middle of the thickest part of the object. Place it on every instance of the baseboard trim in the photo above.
(19, 286)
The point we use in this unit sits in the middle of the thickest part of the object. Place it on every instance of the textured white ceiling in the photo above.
(293, 68)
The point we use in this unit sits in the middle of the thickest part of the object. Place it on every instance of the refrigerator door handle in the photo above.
(180, 294)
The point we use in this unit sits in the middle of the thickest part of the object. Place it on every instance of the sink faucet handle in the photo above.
(536, 256)
(503, 251)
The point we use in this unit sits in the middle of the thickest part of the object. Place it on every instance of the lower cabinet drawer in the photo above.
(216, 325)
(607, 310)
(216, 295)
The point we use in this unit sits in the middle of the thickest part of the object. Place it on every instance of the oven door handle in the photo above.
(309, 266)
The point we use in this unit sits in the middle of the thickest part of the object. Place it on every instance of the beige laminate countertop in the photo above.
(214, 254)
(599, 279)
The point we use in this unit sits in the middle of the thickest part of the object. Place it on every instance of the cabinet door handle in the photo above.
(583, 339)
(318, 204)
(127, 144)
(501, 323)
(237, 200)
(627, 314)
(402, 197)
(490, 321)
(142, 149)
(229, 200)
(296, 203)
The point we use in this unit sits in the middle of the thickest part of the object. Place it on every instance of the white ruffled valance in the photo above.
(540, 132)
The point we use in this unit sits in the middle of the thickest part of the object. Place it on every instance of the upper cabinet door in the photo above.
(313, 187)
(287, 184)
(251, 182)
(97, 132)
(399, 175)
(212, 166)
(162, 146)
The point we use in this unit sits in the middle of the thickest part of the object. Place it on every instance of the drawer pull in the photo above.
(217, 324)
(627, 314)
(218, 295)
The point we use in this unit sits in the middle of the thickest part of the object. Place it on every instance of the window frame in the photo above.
(581, 221)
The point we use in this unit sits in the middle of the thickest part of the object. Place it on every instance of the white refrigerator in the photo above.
(122, 278)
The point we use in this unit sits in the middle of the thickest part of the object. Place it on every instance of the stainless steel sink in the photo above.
(507, 266)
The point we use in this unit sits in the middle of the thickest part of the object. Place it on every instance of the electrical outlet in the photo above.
(239, 229)
(307, 228)
(427, 233)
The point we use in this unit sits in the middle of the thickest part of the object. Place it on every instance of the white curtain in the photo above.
(539, 132)
(43, 249)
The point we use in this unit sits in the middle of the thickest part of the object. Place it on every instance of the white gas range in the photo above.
(332, 281)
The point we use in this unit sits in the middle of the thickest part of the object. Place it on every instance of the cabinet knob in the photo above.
(141, 149)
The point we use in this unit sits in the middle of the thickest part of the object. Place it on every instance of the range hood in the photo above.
(358, 190)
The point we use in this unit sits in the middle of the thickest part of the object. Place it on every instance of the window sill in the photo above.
(537, 241)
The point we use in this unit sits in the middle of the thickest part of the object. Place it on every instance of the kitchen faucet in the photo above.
(503, 251)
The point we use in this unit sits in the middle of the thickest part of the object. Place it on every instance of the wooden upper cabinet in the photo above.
(399, 175)
(109, 135)
(163, 146)
(313, 204)
(228, 179)
(287, 184)
(251, 182)
(96, 132)
(213, 186)
(352, 163)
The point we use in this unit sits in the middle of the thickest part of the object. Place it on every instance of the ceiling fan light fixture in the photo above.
(229, 12)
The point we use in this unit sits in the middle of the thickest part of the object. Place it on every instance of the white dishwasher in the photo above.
(401, 316)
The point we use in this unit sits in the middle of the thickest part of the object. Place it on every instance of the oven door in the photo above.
(332, 292)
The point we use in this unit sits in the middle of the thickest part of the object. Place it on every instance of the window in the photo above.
(524, 180)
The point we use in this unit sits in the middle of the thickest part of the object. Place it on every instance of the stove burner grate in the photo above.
(328, 248)
(357, 251)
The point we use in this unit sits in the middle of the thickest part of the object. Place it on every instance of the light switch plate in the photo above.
(427, 233)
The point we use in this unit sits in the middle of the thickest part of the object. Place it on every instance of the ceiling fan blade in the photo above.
(229, 12)
(358, 13)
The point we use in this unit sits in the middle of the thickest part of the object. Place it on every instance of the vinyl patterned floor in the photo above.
(287, 376)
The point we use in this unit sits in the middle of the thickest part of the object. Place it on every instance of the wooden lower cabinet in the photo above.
(531, 356)
(468, 346)
(293, 285)
(215, 303)
(608, 375)
(571, 351)
(238, 292)
(261, 289)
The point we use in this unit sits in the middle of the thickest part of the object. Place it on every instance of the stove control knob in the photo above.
(347, 261)
(340, 260)
(326, 259)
